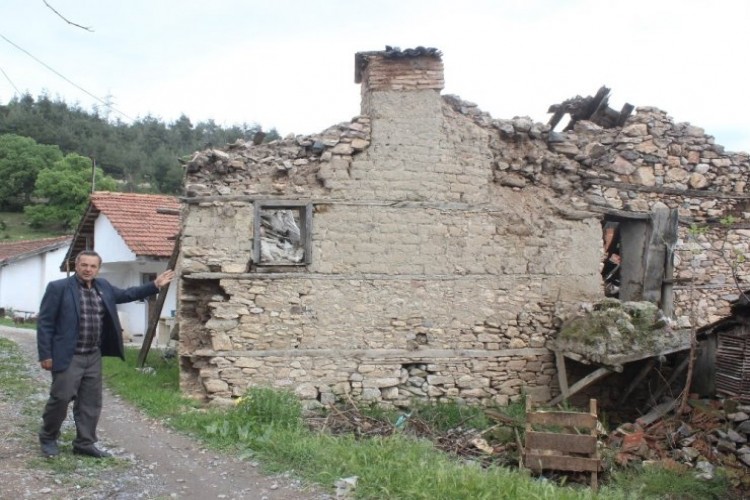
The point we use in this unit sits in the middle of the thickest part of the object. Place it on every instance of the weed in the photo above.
(266, 425)
(659, 482)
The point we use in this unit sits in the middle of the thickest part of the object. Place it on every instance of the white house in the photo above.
(135, 236)
(25, 269)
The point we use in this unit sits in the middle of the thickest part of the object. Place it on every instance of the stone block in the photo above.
(370, 394)
(306, 391)
(215, 385)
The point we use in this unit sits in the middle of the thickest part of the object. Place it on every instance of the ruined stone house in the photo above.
(427, 250)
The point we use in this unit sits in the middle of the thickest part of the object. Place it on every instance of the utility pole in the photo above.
(93, 175)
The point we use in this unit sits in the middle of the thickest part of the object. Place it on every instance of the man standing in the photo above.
(77, 325)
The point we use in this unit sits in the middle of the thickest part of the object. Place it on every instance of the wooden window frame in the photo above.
(305, 210)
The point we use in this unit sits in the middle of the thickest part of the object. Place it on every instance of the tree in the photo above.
(21, 160)
(65, 188)
(143, 153)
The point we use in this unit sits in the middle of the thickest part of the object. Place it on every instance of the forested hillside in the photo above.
(143, 154)
(51, 152)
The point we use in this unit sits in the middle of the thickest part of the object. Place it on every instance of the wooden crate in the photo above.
(562, 441)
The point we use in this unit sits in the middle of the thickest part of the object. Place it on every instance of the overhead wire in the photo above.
(10, 81)
(47, 66)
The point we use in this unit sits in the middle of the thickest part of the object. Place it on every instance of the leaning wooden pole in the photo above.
(153, 320)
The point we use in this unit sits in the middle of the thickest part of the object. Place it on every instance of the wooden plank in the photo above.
(676, 373)
(656, 413)
(562, 374)
(153, 320)
(624, 114)
(551, 450)
(577, 357)
(538, 462)
(663, 232)
(585, 381)
(645, 370)
(562, 419)
(567, 443)
(628, 358)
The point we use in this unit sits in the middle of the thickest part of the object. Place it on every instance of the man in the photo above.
(77, 325)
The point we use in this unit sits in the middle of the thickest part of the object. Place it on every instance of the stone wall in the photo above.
(447, 246)
(649, 160)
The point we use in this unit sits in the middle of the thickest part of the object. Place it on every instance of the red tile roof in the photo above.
(15, 250)
(135, 217)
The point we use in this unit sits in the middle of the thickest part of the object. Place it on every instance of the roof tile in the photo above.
(135, 218)
(15, 249)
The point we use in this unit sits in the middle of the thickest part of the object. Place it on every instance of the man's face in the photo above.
(87, 267)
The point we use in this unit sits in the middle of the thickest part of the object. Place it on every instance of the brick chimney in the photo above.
(395, 69)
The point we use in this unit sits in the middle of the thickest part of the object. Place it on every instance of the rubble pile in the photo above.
(483, 447)
(283, 166)
(713, 433)
(648, 159)
(610, 328)
(710, 435)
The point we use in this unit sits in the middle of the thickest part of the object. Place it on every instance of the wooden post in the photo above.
(562, 374)
(585, 381)
(594, 477)
(664, 387)
(637, 380)
(153, 320)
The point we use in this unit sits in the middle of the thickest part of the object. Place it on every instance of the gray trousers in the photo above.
(81, 383)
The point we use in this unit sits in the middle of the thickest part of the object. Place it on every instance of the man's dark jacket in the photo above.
(57, 324)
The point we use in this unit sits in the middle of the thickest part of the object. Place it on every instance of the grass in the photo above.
(267, 425)
(658, 482)
(9, 322)
(13, 227)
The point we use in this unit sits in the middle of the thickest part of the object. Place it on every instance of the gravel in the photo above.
(152, 461)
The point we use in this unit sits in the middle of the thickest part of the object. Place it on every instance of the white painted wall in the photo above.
(109, 244)
(123, 269)
(22, 283)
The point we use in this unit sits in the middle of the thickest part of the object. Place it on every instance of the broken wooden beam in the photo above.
(584, 382)
(656, 413)
(153, 320)
(637, 380)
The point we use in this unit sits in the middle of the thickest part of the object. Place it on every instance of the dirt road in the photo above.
(156, 462)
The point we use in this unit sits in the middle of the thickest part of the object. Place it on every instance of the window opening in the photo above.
(612, 263)
(282, 234)
(637, 258)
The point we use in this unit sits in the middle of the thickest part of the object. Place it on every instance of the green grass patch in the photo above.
(9, 322)
(658, 482)
(267, 425)
(14, 226)
(155, 389)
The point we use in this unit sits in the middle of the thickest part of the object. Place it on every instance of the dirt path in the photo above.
(157, 462)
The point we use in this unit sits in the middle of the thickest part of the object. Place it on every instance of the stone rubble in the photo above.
(712, 433)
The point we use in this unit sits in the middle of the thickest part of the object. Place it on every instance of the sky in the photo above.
(289, 64)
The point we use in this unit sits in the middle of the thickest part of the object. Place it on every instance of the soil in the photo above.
(153, 461)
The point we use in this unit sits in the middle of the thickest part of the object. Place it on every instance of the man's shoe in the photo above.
(91, 452)
(49, 448)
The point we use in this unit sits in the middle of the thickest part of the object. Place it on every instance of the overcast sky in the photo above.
(290, 64)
